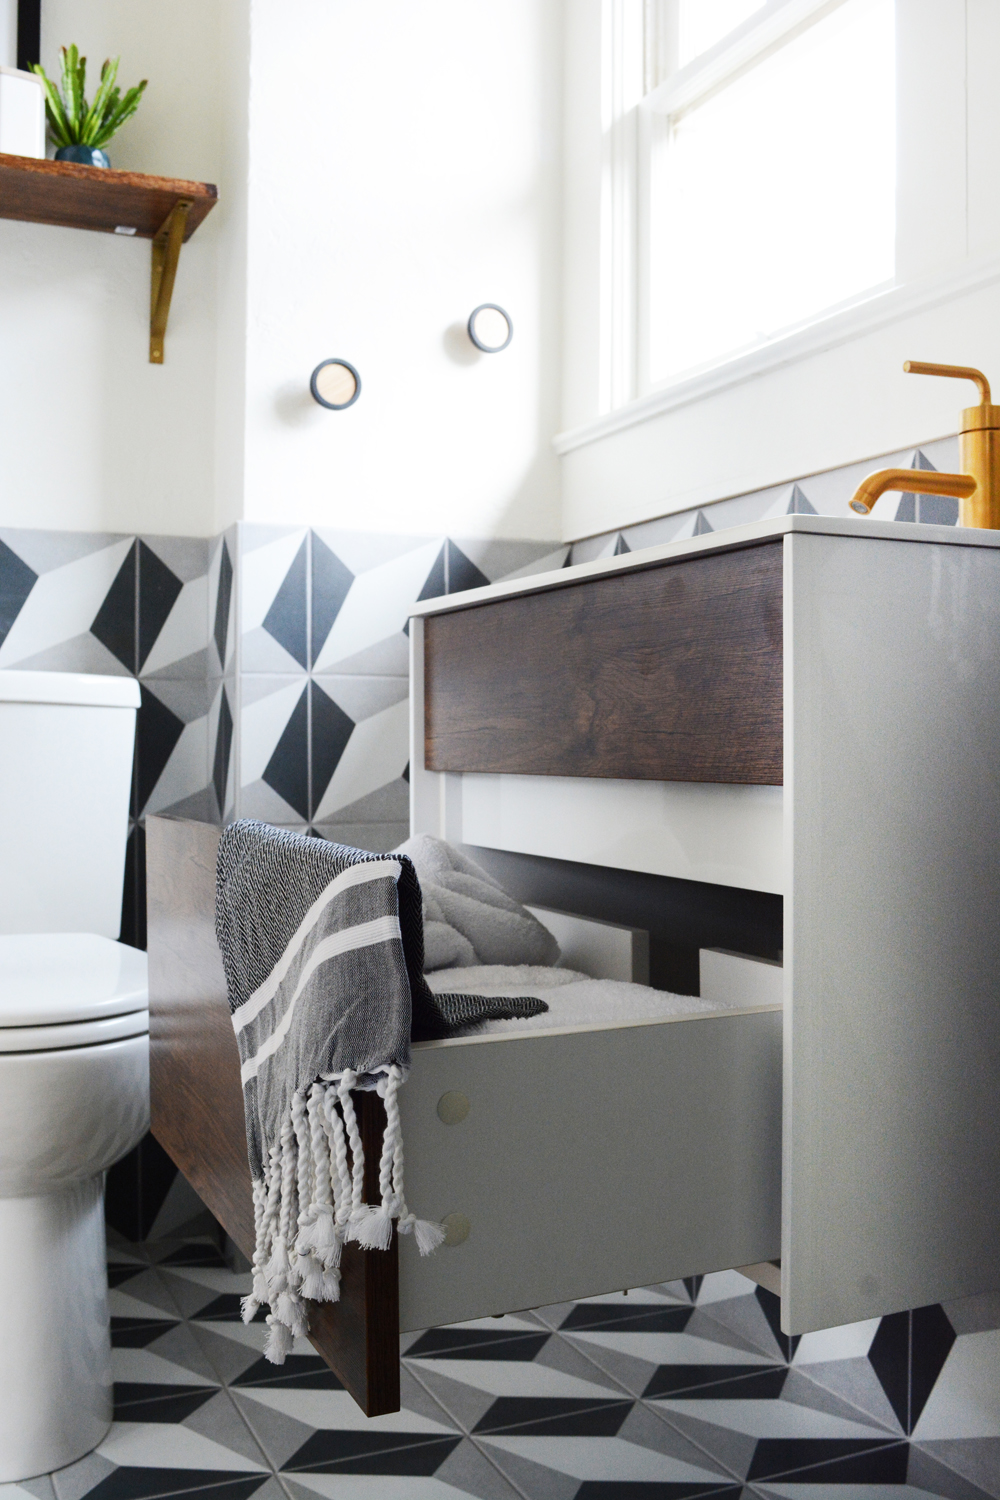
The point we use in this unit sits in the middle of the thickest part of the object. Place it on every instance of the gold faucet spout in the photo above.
(921, 481)
(953, 372)
(977, 488)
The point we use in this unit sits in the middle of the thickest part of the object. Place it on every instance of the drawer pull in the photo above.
(452, 1107)
(456, 1229)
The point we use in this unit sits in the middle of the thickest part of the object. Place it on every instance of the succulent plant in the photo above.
(74, 122)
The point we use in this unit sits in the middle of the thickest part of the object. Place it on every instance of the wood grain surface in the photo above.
(668, 673)
(197, 1108)
(80, 197)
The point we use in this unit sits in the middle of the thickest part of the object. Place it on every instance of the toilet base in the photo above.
(55, 1349)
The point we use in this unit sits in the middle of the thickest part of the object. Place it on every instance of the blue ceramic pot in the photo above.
(90, 156)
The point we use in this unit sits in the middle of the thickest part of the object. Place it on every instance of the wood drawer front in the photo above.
(634, 1155)
(671, 673)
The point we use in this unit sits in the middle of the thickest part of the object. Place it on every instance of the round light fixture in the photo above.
(490, 328)
(335, 384)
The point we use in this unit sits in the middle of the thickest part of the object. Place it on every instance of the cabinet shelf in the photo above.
(165, 210)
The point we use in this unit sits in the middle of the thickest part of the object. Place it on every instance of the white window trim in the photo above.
(942, 245)
(769, 28)
(879, 310)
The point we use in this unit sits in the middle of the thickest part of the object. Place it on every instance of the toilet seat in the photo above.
(69, 989)
(73, 1033)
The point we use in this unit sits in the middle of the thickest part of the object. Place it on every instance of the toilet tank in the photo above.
(66, 747)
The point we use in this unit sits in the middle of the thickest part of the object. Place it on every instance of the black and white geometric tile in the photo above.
(323, 734)
(273, 664)
(667, 1392)
(138, 606)
(826, 494)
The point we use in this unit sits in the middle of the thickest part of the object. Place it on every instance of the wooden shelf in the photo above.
(165, 210)
(78, 197)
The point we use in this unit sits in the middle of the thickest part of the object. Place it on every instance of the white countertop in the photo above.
(717, 541)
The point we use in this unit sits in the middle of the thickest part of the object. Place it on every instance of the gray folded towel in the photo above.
(468, 917)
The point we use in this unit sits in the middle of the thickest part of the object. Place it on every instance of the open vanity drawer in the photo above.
(577, 1160)
(592, 1160)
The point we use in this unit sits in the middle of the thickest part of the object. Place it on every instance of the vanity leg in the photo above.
(359, 1335)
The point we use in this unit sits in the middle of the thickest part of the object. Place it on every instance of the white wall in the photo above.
(405, 166)
(389, 168)
(227, 460)
(92, 436)
(846, 400)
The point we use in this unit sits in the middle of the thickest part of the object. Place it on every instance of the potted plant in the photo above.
(80, 129)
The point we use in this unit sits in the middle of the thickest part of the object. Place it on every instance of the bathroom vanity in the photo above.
(810, 707)
(805, 710)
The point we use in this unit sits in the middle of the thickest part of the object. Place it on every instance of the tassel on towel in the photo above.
(310, 1187)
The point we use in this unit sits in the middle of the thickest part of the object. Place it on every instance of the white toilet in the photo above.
(74, 1052)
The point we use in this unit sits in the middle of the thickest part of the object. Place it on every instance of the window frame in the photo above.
(934, 163)
(764, 33)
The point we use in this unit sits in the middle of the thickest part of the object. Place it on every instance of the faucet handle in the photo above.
(957, 372)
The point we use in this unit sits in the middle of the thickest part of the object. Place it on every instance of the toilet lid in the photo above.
(49, 978)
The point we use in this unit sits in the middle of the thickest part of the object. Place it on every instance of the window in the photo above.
(700, 25)
(768, 181)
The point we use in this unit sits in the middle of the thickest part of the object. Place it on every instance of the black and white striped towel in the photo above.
(322, 948)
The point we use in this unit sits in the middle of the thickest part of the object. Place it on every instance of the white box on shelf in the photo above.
(22, 113)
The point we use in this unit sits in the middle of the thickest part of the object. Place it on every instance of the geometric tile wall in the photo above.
(140, 607)
(825, 494)
(322, 736)
(272, 663)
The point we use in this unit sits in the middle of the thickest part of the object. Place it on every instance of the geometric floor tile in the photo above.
(664, 1393)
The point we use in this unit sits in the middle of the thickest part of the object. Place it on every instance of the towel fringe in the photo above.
(310, 1202)
(426, 1233)
(314, 1284)
(374, 1231)
(279, 1341)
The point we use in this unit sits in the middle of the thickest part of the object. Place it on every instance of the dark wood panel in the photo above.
(80, 197)
(197, 1107)
(669, 673)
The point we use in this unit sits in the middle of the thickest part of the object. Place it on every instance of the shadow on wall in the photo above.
(459, 347)
(295, 407)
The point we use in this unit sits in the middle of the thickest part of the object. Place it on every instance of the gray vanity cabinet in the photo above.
(810, 707)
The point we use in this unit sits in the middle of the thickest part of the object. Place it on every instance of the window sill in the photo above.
(876, 311)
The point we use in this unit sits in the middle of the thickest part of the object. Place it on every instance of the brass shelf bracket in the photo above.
(166, 253)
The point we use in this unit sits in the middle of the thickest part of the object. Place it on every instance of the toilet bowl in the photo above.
(74, 1098)
(74, 1053)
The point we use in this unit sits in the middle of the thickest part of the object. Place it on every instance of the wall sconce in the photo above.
(490, 328)
(335, 384)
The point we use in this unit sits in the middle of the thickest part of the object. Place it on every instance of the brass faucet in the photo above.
(977, 488)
